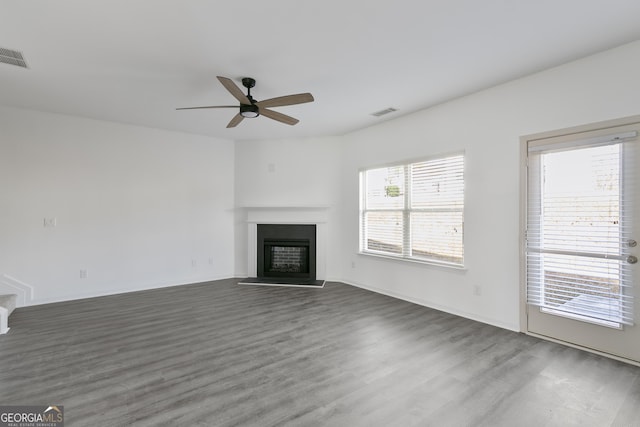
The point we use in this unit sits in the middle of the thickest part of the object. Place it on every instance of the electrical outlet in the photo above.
(271, 167)
(83, 274)
(50, 222)
(477, 290)
(353, 264)
(210, 260)
(194, 263)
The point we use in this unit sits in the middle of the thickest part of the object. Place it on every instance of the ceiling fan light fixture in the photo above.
(249, 111)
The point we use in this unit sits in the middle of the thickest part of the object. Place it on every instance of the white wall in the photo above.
(289, 173)
(134, 206)
(487, 126)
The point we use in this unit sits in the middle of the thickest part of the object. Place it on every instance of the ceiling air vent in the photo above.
(383, 112)
(12, 57)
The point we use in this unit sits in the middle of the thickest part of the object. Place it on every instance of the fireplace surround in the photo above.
(313, 216)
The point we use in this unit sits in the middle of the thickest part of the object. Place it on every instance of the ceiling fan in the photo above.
(250, 108)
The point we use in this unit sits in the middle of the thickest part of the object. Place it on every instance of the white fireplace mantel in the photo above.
(287, 214)
(317, 215)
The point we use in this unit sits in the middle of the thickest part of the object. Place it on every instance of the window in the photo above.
(414, 211)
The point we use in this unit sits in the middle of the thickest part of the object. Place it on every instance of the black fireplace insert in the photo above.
(286, 251)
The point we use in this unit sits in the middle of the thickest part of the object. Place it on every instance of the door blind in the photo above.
(578, 229)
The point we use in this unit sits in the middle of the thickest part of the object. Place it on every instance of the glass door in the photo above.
(582, 219)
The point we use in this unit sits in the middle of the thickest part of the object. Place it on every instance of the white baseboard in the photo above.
(424, 303)
(159, 285)
(124, 290)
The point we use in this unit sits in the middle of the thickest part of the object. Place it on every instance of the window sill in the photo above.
(443, 265)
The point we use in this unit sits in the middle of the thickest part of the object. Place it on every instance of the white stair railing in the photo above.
(7, 305)
(11, 285)
(4, 320)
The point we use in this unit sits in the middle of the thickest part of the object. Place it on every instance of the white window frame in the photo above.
(406, 211)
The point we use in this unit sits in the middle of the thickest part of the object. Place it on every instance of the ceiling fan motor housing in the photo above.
(249, 111)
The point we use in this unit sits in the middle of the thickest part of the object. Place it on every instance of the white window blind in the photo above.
(578, 223)
(415, 210)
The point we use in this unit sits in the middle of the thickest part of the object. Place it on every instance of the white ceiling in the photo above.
(135, 61)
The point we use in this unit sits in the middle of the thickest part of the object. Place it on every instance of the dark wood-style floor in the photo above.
(222, 354)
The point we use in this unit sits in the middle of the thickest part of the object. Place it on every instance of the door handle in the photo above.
(632, 259)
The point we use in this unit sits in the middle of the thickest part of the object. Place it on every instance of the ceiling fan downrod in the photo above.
(249, 111)
(248, 82)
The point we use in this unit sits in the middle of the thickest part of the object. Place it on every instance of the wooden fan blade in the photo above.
(278, 116)
(299, 98)
(234, 90)
(210, 106)
(235, 121)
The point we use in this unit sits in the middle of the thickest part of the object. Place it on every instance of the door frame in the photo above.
(524, 141)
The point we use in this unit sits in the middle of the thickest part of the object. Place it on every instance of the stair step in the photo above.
(7, 305)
